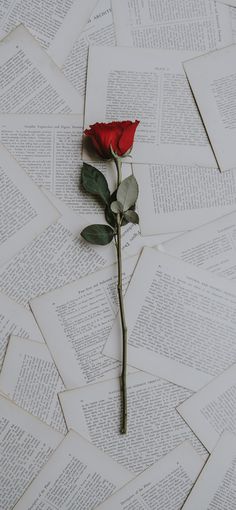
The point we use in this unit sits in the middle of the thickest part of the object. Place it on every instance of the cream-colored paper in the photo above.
(151, 86)
(76, 321)
(181, 321)
(99, 30)
(78, 475)
(30, 379)
(54, 23)
(215, 487)
(212, 78)
(24, 210)
(154, 426)
(211, 247)
(179, 25)
(165, 485)
(15, 319)
(211, 410)
(26, 445)
(31, 82)
(173, 198)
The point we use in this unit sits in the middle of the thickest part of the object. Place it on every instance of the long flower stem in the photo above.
(123, 378)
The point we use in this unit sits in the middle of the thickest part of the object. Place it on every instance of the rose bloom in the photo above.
(116, 135)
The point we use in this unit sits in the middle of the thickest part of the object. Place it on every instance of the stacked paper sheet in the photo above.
(64, 66)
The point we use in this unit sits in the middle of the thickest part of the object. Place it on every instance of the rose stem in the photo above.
(123, 429)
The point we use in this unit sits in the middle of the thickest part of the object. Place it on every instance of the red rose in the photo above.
(116, 135)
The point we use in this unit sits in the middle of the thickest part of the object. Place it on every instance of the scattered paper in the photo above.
(55, 23)
(151, 86)
(56, 257)
(154, 427)
(181, 25)
(24, 209)
(211, 247)
(165, 484)
(99, 30)
(211, 410)
(76, 321)
(173, 198)
(213, 82)
(181, 321)
(36, 85)
(30, 379)
(26, 445)
(15, 319)
(215, 487)
(77, 475)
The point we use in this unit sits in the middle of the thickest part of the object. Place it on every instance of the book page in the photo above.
(24, 209)
(228, 2)
(213, 82)
(26, 445)
(77, 476)
(15, 319)
(180, 25)
(211, 410)
(216, 486)
(48, 147)
(56, 257)
(99, 30)
(31, 82)
(181, 322)
(30, 378)
(154, 425)
(173, 198)
(232, 11)
(76, 321)
(165, 485)
(151, 86)
(50, 23)
(211, 247)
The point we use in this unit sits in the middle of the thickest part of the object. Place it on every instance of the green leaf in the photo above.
(116, 207)
(98, 234)
(131, 217)
(94, 182)
(127, 192)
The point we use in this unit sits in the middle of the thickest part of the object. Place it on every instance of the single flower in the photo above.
(112, 136)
